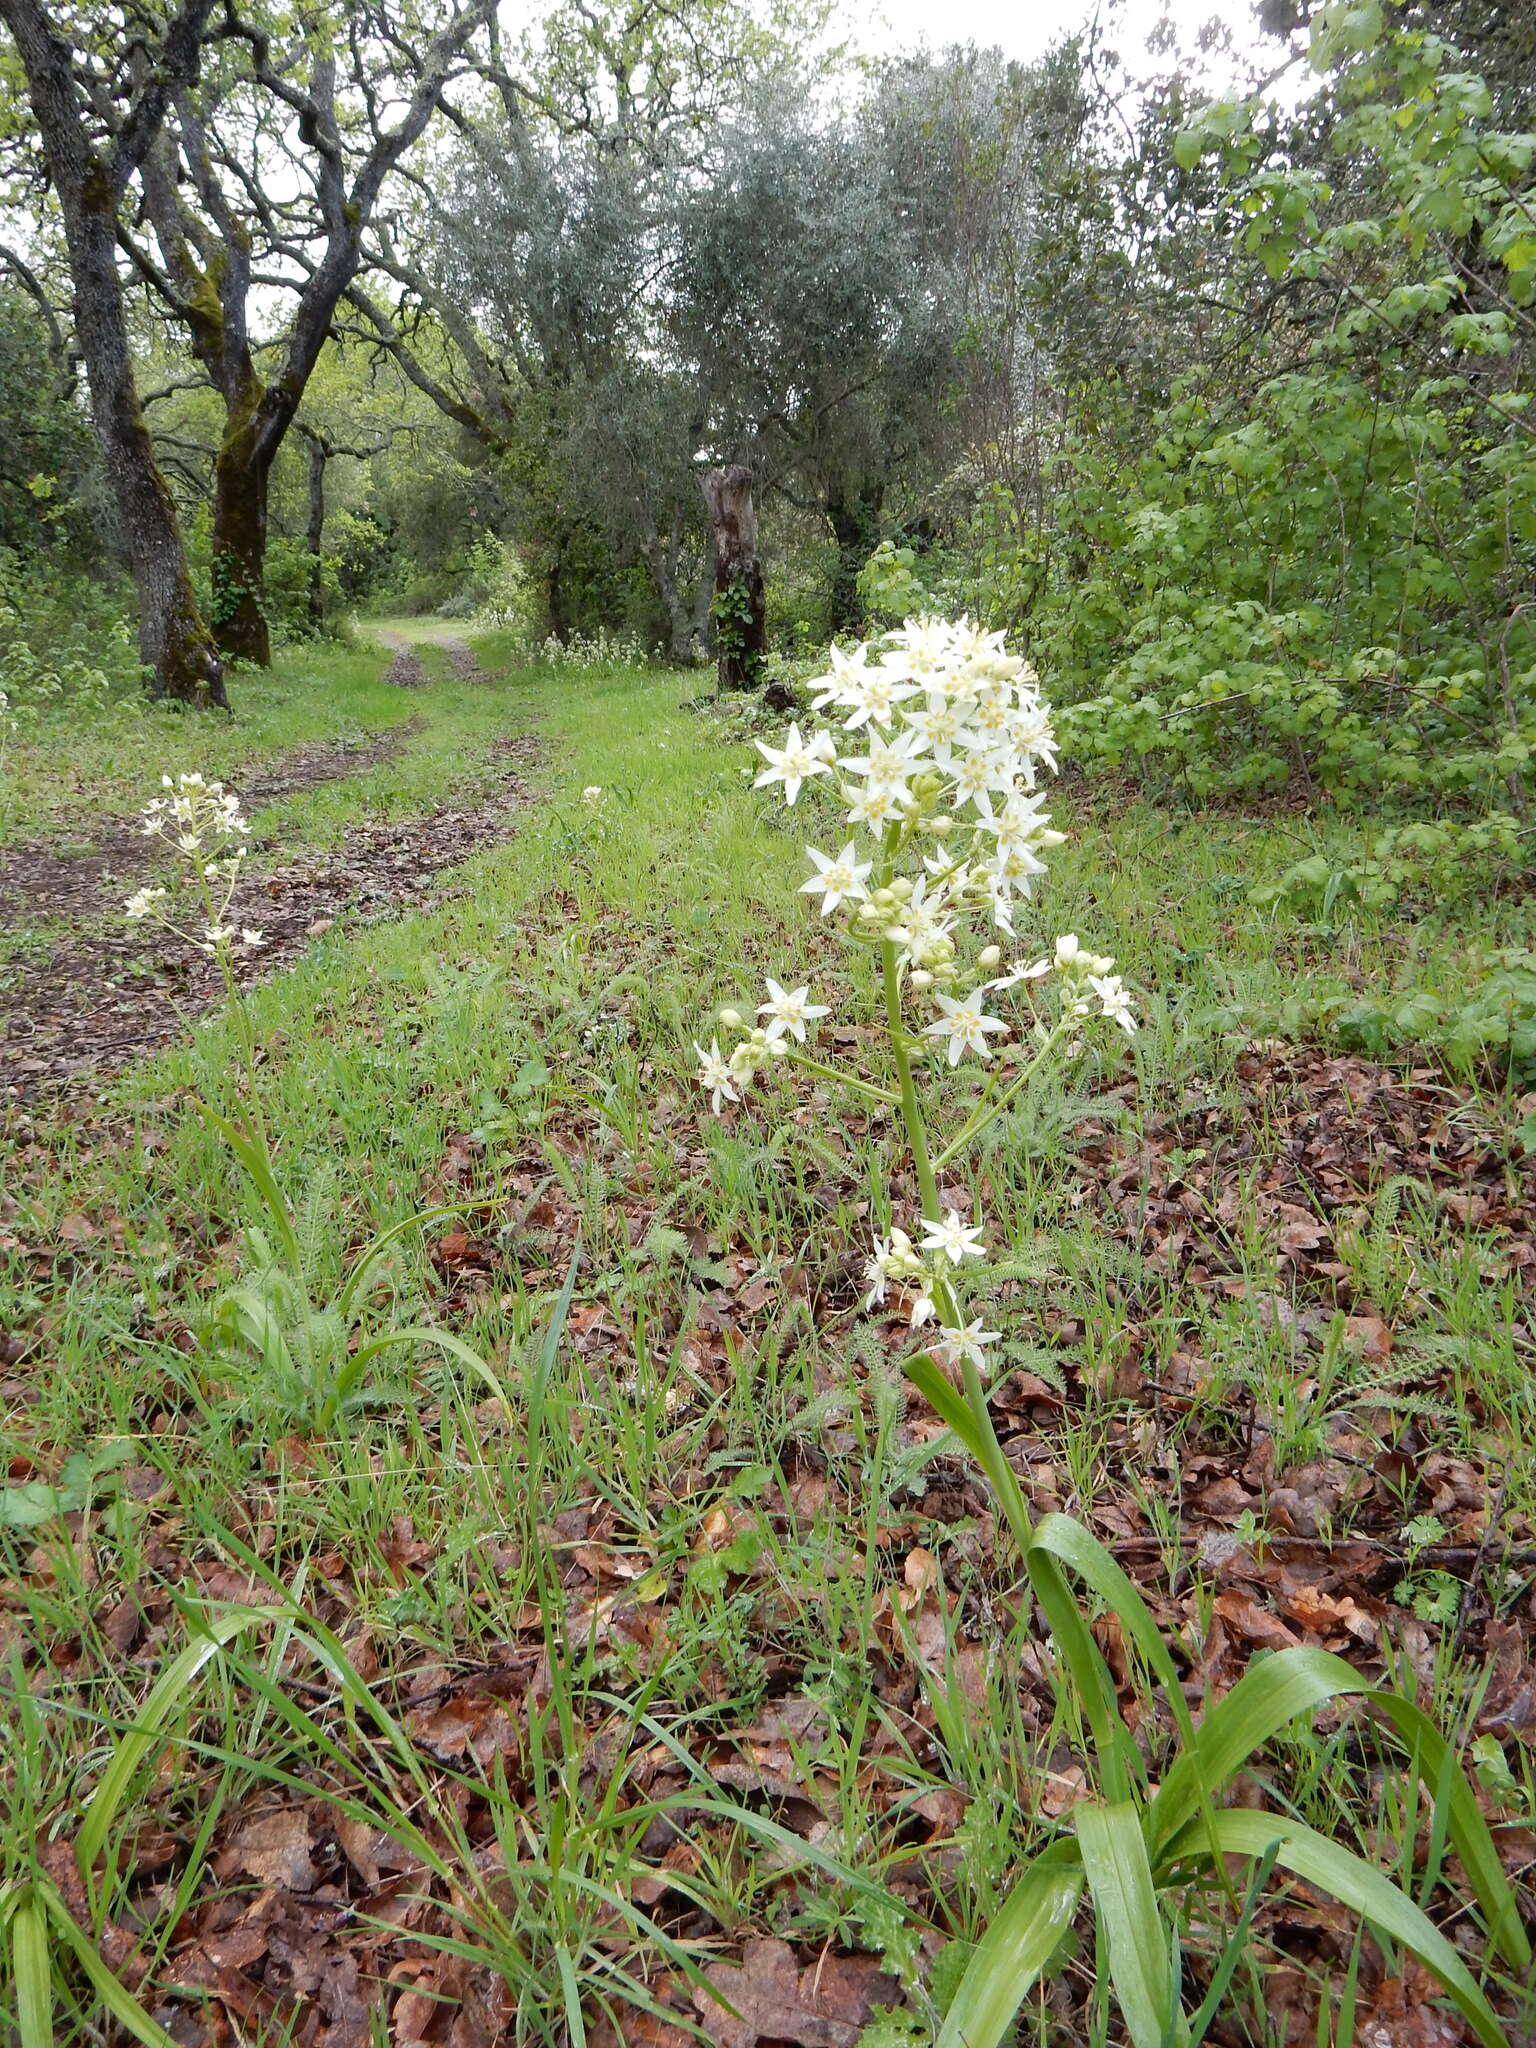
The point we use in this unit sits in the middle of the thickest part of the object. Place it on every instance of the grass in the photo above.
(710, 1504)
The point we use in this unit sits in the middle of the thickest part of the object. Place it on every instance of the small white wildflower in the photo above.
(141, 903)
(954, 1238)
(796, 761)
(964, 1024)
(1116, 1000)
(838, 880)
(969, 1342)
(716, 1075)
(788, 1010)
(251, 940)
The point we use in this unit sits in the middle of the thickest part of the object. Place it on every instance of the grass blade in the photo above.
(32, 1971)
(165, 1696)
(116, 1997)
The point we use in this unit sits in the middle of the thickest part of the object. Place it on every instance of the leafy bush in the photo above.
(1485, 1028)
(1434, 860)
(67, 646)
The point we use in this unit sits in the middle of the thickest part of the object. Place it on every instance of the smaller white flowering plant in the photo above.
(940, 740)
(201, 822)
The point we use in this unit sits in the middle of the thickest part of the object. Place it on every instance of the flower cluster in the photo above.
(944, 737)
(202, 823)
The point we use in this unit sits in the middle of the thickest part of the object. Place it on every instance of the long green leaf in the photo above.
(377, 1246)
(32, 1972)
(252, 1155)
(1113, 1749)
(1292, 1683)
(115, 1996)
(1120, 1878)
(1081, 1552)
(1354, 1883)
(415, 1333)
(1469, 1832)
(1023, 1937)
(1267, 1696)
(164, 1697)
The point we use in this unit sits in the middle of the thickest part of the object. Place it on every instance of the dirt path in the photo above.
(39, 884)
(405, 637)
(101, 999)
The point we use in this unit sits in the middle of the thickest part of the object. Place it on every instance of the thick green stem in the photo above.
(912, 1117)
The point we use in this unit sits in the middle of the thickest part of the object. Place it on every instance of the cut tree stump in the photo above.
(741, 633)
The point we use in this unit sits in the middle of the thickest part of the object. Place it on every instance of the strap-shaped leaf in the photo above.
(415, 1335)
(32, 1972)
(1267, 1696)
(1470, 1836)
(1134, 1936)
(1082, 1553)
(114, 1995)
(165, 1696)
(975, 1431)
(1114, 1751)
(1281, 1689)
(1354, 1883)
(1014, 1950)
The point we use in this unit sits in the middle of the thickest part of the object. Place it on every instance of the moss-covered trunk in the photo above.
(174, 640)
(240, 539)
(855, 523)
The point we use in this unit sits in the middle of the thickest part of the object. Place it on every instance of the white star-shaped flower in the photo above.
(954, 1237)
(872, 696)
(716, 1075)
(1116, 999)
(876, 806)
(788, 1011)
(796, 761)
(834, 688)
(954, 1346)
(965, 1024)
(839, 880)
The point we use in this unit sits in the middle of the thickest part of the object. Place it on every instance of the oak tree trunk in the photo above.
(240, 548)
(741, 633)
(855, 524)
(314, 535)
(174, 642)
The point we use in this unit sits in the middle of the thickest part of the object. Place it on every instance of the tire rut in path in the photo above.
(104, 999)
(39, 884)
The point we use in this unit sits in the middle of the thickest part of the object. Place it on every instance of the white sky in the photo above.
(1024, 28)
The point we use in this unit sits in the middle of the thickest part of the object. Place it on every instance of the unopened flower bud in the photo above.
(922, 978)
(731, 1019)
(988, 956)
